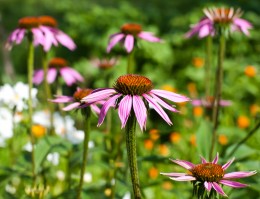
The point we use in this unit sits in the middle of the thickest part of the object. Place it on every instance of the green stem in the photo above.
(130, 63)
(245, 138)
(218, 90)
(131, 154)
(48, 94)
(208, 65)
(30, 63)
(86, 113)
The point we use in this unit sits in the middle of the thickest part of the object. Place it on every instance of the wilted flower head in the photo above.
(129, 33)
(133, 94)
(57, 66)
(75, 100)
(208, 175)
(224, 18)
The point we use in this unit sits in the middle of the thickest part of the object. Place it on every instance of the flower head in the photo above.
(134, 93)
(104, 64)
(223, 17)
(209, 174)
(58, 65)
(75, 100)
(129, 32)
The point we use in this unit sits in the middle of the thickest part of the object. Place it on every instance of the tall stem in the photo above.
(208, 65)
(30, 63)
(86, 113)
(47, 89)
(131, 154)
(130, 62)
(218, 90)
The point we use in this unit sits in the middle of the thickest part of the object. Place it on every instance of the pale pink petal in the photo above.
(109, 103)
(185, 164)
(239, 174)
(38, 76)
(225, 166)
(38, 36)
(140, 111)
(75, 74)
(62, 99)
(114, 40)
(49, 38)
(184, 178)
(208, 185)
(242, 25)
(129, 43)
(98, 95)
(196, 102)
(204, 31)
(124, 109)
(65, 40)
(67, 76)
(218, 188)
(157, 108)
(95, 108)
(52, 74)
(232, 184)
(148, 36)
(163, 103)
(170, 95)
(71, 106)
(215, 161)
(174, 174)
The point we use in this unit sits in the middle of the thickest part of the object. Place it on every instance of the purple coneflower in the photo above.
(58, 65)
(209, 101)
(129, 32)
(134, 93)
(104, 64)
(224, 17)
(209, 174)
(75, 100)
(53, 35)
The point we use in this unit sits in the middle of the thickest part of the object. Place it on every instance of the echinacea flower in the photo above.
(75, 100)
(104, 64)
(209, 174)
(129, 33)
(209, 102)
(134, 93)
(224, 17)
(49, 25)
(58, 66)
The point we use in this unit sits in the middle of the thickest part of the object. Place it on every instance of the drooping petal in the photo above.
(71, 106)
(114, 40)
(38, 76)
(148, 36)
(215, 161)
(225, 166)
(239, 174)
(124, 109)
(67, 76)
(174, 174)
(204, 31)
(170, 95)
(158, 108)
(242, 25)
(98, 95)
(208, 185)
(38, 37)
(95, 108)
(184, 178)
(140, 111)
(62, 99)
(185, 164)
(49, 38)
(109, 103)
(232, 184)
(218, 188)
(76, 75)
(65, 40)
(51, 76)
(163, 103)
(129, 43)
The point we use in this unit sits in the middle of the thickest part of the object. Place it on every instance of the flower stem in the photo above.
(30, 63)
(47, 89)
(208, 65)
(218, 90)
(131, 154)
(130, 62)
(86, 112)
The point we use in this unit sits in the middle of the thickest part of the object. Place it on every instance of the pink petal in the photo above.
(75, 74)
(109, 103)
(71, 106)
(225, 166)
(129, 43)
(38, 76)
(170, 95)
(204, 31)
(98, 95)
(114, 40)
(203, 160)
(140, 111)
(124, 109)
(208, 185)
(232, 184)
(67, 76)
(163, 103)
(184, 178)
(215, 161)
(38, 36)
(95, 108)
(185, 164)
(49, 38)
(62, 99)
(239, 174)
(52, 74)
(218, 188)
(158, 108)
(65, 40)
(149, 37)
(174, 174)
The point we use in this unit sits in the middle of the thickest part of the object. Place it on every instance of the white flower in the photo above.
(53, 158)
(28, 147)
(60, 175)
(6, 125)
(127, 196)
(87, 177)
